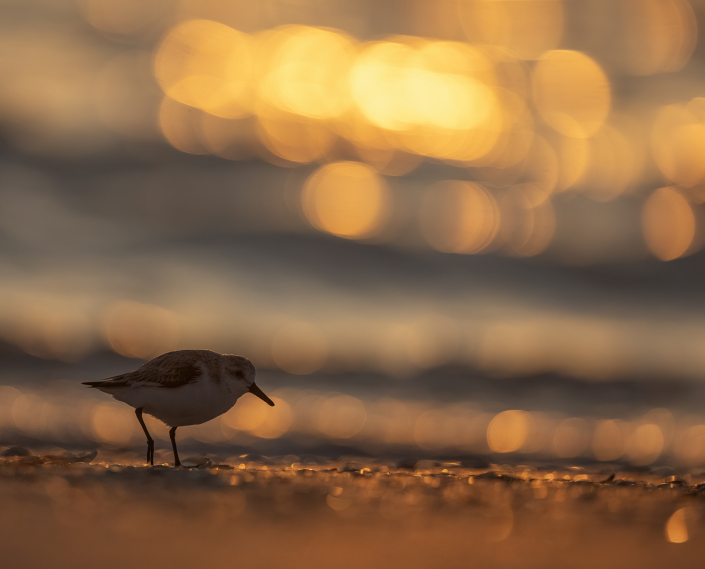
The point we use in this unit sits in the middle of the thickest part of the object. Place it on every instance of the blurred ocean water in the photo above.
(448, 238)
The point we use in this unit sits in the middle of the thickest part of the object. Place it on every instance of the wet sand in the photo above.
(114, 512)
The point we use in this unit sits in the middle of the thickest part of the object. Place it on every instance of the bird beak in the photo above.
(259, 393)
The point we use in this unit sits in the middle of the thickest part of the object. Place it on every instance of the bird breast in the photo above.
(190, 404)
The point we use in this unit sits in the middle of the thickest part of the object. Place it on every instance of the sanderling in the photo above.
(187, 387)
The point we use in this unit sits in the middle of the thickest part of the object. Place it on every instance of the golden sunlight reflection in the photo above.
(571, 92)
(645, 444)
(113, 423)
(658, 36)
(677, 526)
(206, 65)
(525, 230)
(390, 421)
(305, 70)
(571, 438)
(371, 424)
(29, 414)
(428, 429)
(459, 217)
(139, 330)
(46, 331)
(341, 416)
(527, 28)
(429, 341)
(608, 440)
(8, 396)
(540, 171)
(512, 347)
(615, 163)
(412, 82)
(294, 138)
(404, 96)
(180, 126)
(508, 431)
(347, 199)
(573, 157)
(123, 16)
(678, 142)
(232, 139)
(689, 445)
(257, 418)
(452, 427)
(389, 161)
(432, 341)
(209, 432)
(499, 524)
(668, 224)
(393, 349)
(299, 348)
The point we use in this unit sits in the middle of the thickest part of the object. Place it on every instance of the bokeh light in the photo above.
(527, 28)
(677, 527)
(525, 229)
(678, 142)
(45, 330)
(30, 413)
(615, 163)
(459, 217)
(299, 348)
(206, 65)
(668, 223)
(139, 330)
(658, 36)
(123, 17)
(347, 199)
(305, 70)
(571, 92)
(341, 416)
(389, 420)
(295, 139)
(180, 126)
(508, 431)
(645, 444)
(689, 445)
(257, 418)
(608, 440)
(113, 424)
(399, 85)
(8, 396)
(571, 438)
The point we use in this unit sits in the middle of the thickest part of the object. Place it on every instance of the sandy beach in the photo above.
(269, 512)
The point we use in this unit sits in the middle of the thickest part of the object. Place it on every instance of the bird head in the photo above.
(241, 371)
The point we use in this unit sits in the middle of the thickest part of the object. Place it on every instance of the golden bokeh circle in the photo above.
(206, 65)
(347, 199)
(571, 92)
(459, 217)
(508, 431)
(668, 224)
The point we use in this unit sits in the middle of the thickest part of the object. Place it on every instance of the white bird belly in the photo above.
(190, 404)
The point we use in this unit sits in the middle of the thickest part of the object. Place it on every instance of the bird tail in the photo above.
(117, 381)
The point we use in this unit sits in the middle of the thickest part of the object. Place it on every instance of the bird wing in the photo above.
(168, 370)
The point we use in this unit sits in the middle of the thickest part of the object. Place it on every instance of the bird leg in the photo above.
(172, 435)
(150, 440)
